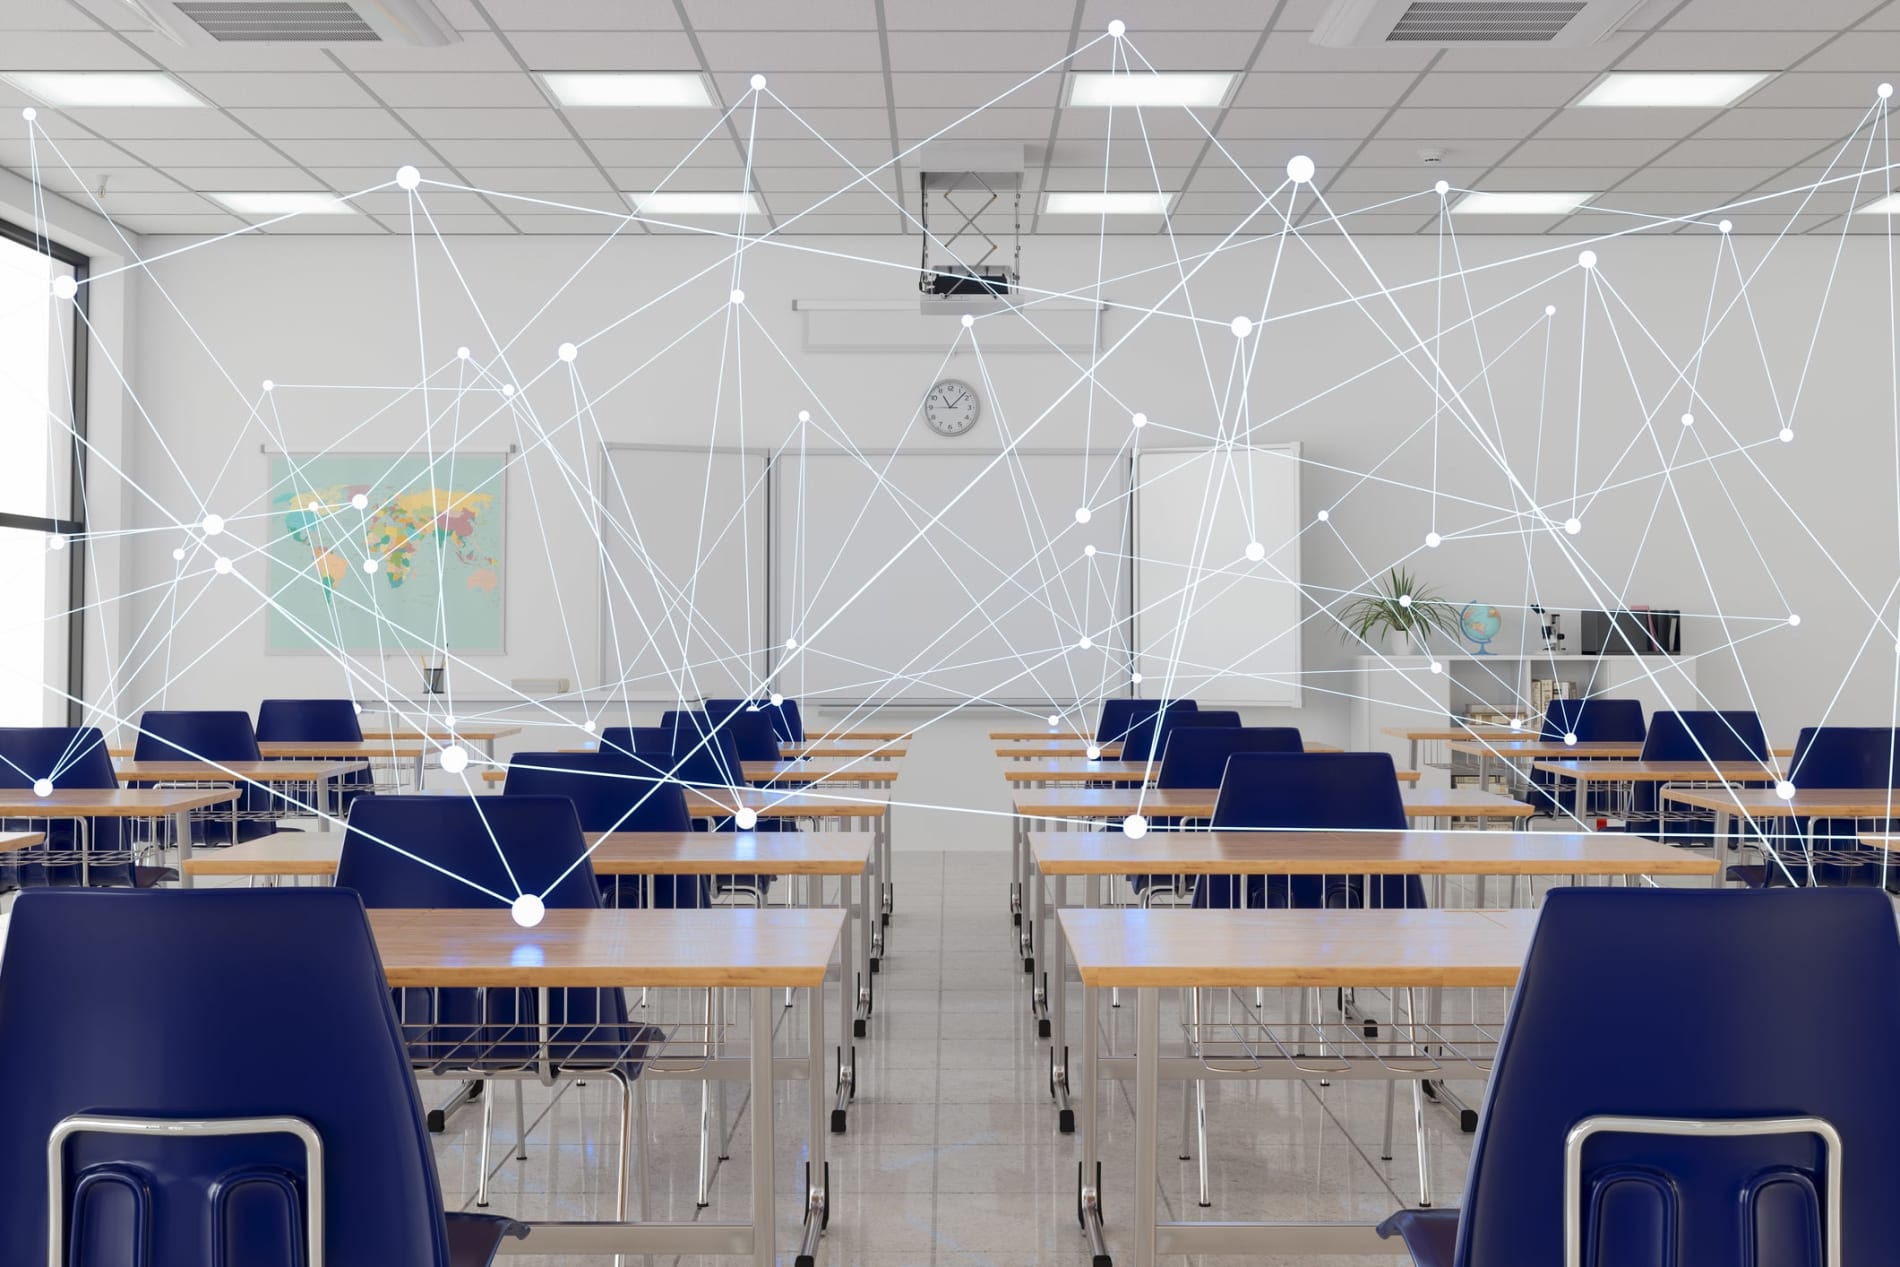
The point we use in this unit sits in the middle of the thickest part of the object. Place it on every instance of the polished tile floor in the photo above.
(952, 1156)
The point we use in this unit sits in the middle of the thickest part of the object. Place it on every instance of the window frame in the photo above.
(73, 528)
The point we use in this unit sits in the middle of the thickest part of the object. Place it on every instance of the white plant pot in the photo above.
(1399, 642)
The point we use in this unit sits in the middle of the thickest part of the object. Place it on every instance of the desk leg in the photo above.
(1718, 849)
(873, 898)
(1038, 993)
(1088, 1195)
(764, 1220)
(1015, 868)
(818, 1170)
(330, 805)
(1055, 962)
(181, 829)
(1147, 1118)
(885, 868)
(422, 757)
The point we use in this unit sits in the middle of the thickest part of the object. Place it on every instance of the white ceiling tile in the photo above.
(346, 179)
(1460, 59)
(191, 59)
(718, 152)
(296, 90)
(119, 180)
(68, 50)
(1605, 123)
(584, 15)
(1697, 152)
(455, 89)
(447, 225)
(1434, 125)
(1721, 50)
(1816, 124)
(1417, 177)
(325, 226)
(788, 152)
(193, 226)
(1115, 179)
(1089, 155)
(796, 179)
(322, 152)
(475, 51)
(820, 226)
(117, 124)
(1170, 50)
(1294, 125)
(1381, 152)
(76, 152)
(676, 124)
(1712, 180)
(252, 178)
(52, 15)
(606, 50)
(1871, 52)
(175, 202)
(286, 123)
(776, 15)
(494, 152)
(858, 201)
(1209, 15)
(1309, 90)
(1374, 223)
(532, 180)
(768, 51)
(548, 202)
(188, 153)
(1516, 178)
(385, 203)
(1294, 51)
(498, 123)
(600, 227)
(1625, 152)
(799, 90)
(979, 15)
(1801, 89)
(1770, 15)
(1130, 125)
(996, 89)
(1496, 90)
(952, 124)
(1024, 51)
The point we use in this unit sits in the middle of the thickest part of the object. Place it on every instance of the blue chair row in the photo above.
(614, 792)
(68, 757)
(1697, 735)
(1591, 721)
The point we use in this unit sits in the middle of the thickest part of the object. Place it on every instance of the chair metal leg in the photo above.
(488, 1130)
(1418, 1112)
(1200, 1138)
(705, 1116)
(521, 1122)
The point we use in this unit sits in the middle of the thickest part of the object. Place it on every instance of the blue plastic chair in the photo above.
(212, 735)
(1592, 721)
(785, 719)
(1317, 791)
(612, 792)
(1147, 735)
(69, 757)
(1660, 1004)
(751, 726)
(1119, 714)
(1839, 757)
(702, 753)
(271, 1005)
(1196, 757)
(316, 721)
(1696, 735)
(456, 853)
(637, 741)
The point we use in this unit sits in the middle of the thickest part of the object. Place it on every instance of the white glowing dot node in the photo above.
(1785, 790)
(758, 82)
(29, 114)
(1688, 420)
(178, 553)
(1725, 226)
(1570, 739)
(1432, 539)
(1884, 91)
(42, 787)
(1786, 435)
(1135, 826)
(1082, 514)
(1256, 551)
(1405, 600)
(1299, 169)
(1573, 526)
(804, 415)
(777, 699)
(567, 351)
(358, 708)
(56, 542)
(738, 296)
(360, 501)
(449, 721)
(968, 321)
(408, 177)
(1088, 551)
(370, 565)
(1794, 619)
(588, 725)
(65, 287)
(1443, 187)
(1550, 310)
(747, 818)
(1241, 326)
(1053, 720)
(507, 389)
(1517, 723)
(1587, 259)
(461, 354)
(1135, 678)
(1117, 28)
(1095, 753)
(1139, 420)
(223, 565)
(791, 644)
(1084, 642)
(454, 759)
(527, 910)
(1437, 667)
(213, 525)
(1324, 515)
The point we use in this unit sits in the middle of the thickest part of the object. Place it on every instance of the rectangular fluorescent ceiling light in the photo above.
(1083, 203)
(1150, 88)
(685, 203)
(285, 204)
(79, 89)
(1707, 90)
(1519, 204)
(579, 89)
(1888, 206)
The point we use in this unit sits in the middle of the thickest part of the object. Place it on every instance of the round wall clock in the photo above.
(952, 408)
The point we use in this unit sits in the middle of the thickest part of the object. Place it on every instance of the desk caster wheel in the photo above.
(1042, 1027)
(857, 1027)
(1468, 1121)
(1065, 1121)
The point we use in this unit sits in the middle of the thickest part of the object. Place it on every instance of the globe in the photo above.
(1481, 623)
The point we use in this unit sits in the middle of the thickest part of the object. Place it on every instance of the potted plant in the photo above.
(1402, 612)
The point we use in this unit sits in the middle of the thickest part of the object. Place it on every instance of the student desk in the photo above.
(806, 751)
(1049, 771)
(325, 777)
(1083, 805)
(11, 840)
(1585, 773)
(856, 736)
(1762, 804)
(1147, 951)
(89, 803)
(1415, 736)
(1047, 732)
(484, 735)
(756, 951)
(1043, 748)
(1514, 751)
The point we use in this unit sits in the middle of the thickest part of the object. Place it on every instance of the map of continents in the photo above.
(434, 532)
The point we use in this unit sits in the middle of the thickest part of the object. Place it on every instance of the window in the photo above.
(42, 490)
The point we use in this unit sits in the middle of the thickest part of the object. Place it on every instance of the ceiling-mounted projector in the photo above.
(967, 179)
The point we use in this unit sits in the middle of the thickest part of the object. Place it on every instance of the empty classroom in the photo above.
(874, 633)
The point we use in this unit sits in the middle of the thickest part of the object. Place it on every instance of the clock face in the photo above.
(952, 408)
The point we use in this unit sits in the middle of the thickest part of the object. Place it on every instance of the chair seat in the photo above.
(1430, 1235)
(474, 1238)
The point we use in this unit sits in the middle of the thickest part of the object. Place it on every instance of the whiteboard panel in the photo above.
(944, 578)
(1210, 623)
(683, 572)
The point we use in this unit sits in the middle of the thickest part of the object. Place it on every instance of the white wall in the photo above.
(1807, 527)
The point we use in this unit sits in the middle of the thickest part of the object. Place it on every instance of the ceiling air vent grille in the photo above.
(288, 21)
(1471, 22)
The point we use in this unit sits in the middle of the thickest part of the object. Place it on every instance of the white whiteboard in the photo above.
(1210, 623)
(950, 577)
(683, 572)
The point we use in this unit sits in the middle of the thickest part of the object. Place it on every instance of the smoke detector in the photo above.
(1431, 154)
(1552, 23)
(211, 23)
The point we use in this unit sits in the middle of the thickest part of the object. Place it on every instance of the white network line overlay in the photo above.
(1517, 427)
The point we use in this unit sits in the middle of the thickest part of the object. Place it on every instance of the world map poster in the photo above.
(375, 552)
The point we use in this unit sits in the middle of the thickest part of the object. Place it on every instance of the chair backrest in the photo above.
(308, 721)
(1655, 968)
(610, 791)
(1197, 756)
(1705, 734)
(641, 741)
(1147, 733)
(272, 1003)
(1846, 756)
(751, 727)
(70, 756)
(1119, 714)
(702, 754)
(458, 852)
(786, 723)
(1316, 790)
(1594, 720)
(196, 734)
